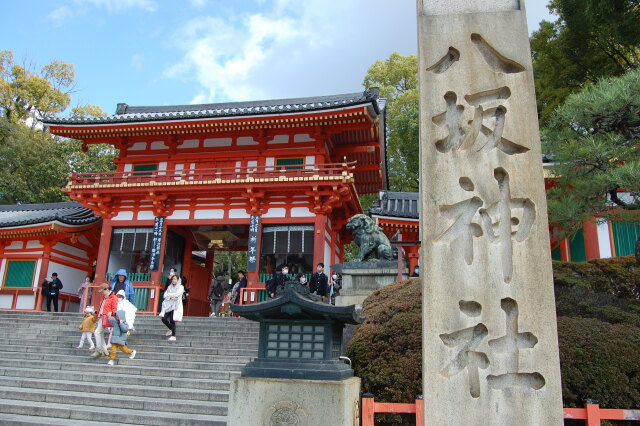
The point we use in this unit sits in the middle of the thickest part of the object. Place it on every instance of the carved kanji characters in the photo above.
(502, 217)
(475, 134)
(510, 344)
(466, 341)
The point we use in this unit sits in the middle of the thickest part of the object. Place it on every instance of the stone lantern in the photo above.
(298, 369)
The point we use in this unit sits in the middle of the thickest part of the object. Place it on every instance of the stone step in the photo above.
(132, 369)
(45, 379)
(99, 413)
(109, 376)
(26, 420)
(115, 401)
(138, 361)
(142, 345)
(159, 354)
(109, 388)
(74, 335)
(195, 328)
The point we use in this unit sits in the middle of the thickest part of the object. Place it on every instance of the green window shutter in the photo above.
(290, 162)
(20, 273)
(625, 235)
(144, 169)
(577, 248)
(556, 254)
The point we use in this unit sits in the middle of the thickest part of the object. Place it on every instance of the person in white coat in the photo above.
(128, 307)
(172, 307)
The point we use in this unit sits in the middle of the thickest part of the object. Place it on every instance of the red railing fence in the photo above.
(370, 407)
(591, 413)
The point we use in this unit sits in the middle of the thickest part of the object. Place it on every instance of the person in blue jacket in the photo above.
(121, 282)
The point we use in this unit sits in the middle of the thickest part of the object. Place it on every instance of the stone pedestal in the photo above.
(361, 279)
(490, 341)
(262, 401)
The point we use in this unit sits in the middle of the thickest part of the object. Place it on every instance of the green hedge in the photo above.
(598, 328)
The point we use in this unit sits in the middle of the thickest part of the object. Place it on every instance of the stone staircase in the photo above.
(45, 380)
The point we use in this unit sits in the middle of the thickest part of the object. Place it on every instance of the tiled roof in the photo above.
(70, 213)
(396, 204)
(126, 113)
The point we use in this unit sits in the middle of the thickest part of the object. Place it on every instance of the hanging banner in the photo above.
(252, 246)
(156, 243)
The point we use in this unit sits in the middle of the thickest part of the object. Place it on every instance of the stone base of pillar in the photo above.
(263, 401)
(358, 283)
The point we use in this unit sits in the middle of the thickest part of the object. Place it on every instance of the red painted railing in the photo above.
(251, 295)
(370, 407)
(152, 298)
(208, 175)
(591, 413)
(64, 299)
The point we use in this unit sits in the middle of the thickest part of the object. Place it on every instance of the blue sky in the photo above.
(162, 52)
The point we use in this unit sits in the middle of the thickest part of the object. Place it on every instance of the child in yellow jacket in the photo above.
(88, 327)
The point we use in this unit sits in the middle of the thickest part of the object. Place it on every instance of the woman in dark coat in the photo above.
(242, 283)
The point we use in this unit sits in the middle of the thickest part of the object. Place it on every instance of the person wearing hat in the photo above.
(51, 288)
(108, 306)
(88, 326)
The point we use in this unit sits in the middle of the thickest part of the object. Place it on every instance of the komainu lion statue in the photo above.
(369, 237)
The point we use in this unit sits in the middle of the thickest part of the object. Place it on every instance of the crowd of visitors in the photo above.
(116, 312)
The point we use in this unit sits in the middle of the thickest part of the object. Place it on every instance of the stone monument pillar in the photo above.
(490, 339)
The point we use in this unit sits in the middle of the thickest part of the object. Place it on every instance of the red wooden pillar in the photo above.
(44, 268)
(413, 257)
(593, 414)
(103, 252)
(318, 239)
(591, 244)
(419, 411)
(564, 251)
(186, 266)
(368, 410)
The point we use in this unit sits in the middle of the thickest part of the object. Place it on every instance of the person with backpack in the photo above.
(216, 294)
(119, 338)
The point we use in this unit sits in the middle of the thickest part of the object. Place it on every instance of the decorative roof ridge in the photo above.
(68, 213)
(127, 113)
(40, 206)
(397, 204)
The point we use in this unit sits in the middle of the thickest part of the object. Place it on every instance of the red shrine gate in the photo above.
(297, 164)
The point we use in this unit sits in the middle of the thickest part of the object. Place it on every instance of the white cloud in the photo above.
(293, 48)
(198, 3)
(223, 57)
(290, 48)
(79, 7)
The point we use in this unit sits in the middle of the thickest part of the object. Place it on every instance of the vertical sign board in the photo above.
(156, 243)
(490, 354)
(252, 249)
